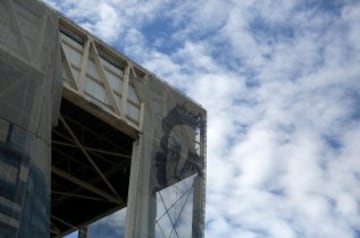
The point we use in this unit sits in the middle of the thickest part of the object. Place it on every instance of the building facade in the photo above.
(85, 132)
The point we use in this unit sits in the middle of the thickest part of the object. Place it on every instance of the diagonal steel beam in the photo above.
(94, 180)
(77, 142)
(86, 185)
(77, 196)
(121, 155)
(89, 130)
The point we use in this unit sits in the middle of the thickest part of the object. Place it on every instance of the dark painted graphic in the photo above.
(24, 196)
(177, 158)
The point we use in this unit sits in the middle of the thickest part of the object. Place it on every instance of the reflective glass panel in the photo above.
(111, 67)
(114, 81)
(132, 94)
(96, 90)
(175, 209)
(73, 55)
(91, 69)
(133, 112)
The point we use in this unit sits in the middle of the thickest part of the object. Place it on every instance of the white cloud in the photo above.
(280, 81)
(110, 20)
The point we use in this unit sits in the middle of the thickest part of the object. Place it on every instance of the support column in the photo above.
(30, 95)
(82, 232)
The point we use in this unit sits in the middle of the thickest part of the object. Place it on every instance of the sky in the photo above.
(280, 81)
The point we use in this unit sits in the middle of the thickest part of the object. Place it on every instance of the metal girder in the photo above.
(58, 234)
(87, 186)
(107, 173)
(89, 130)
(94, 150)
(67, 157)
(83, 232)
(97, 169)
(92, 52)
(77, 196)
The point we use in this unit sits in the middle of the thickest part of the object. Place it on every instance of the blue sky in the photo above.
(280, 80)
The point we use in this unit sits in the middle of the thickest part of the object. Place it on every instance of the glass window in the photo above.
(132, 94)
(76, 72)
(118, 98)
(73, 55)
(96, 90)
(111, 67)
(175, 209)
(133, 112)
(114, 81)
(91, 69)
(69, 40)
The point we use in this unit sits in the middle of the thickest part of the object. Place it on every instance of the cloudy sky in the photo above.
(281, 83)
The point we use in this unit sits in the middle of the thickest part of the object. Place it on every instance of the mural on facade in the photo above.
(177, 157)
